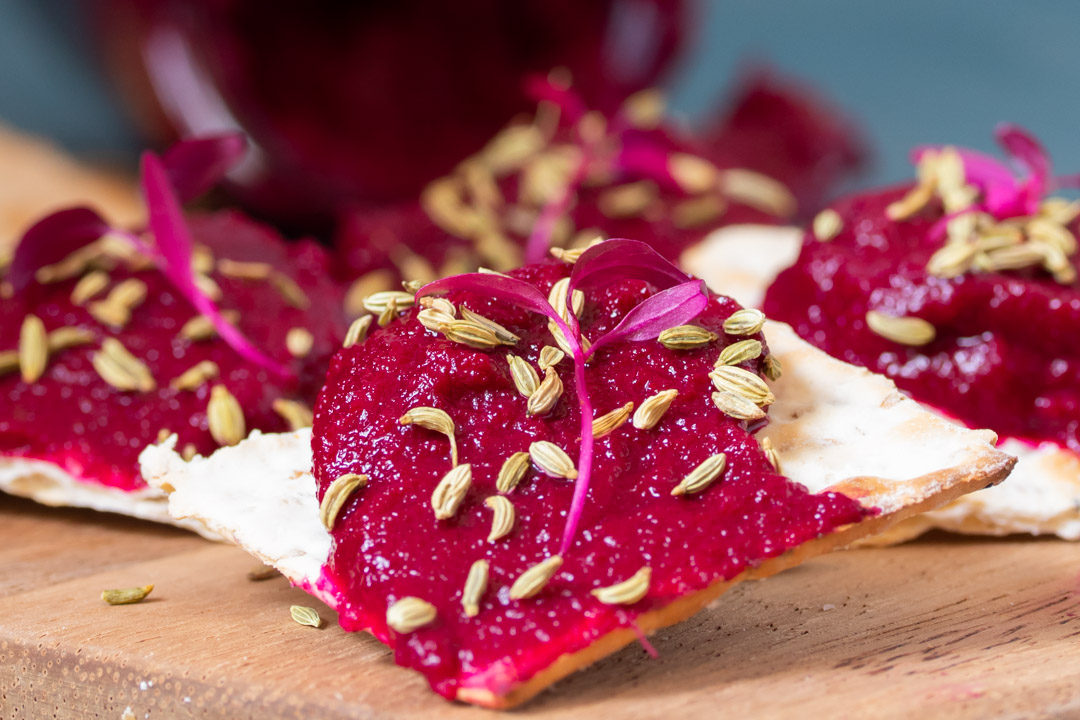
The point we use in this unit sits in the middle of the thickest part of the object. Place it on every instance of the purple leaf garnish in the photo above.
(1005, 195)
(666, 309)
(681, 299)
(52, 239)
(197, 164)
(166, 222)
(621, 259)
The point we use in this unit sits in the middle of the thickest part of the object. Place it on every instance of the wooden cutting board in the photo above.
(940, 627)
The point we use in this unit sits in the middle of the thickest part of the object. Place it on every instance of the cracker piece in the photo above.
(1041, 497)
(262, 495)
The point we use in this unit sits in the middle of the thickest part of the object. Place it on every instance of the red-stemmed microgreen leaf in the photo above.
(197, 164)
(620, 259)
(680, 299)
(52, 239)
(666, 309)
(166, 222)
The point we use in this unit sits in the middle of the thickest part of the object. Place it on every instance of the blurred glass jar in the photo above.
(359, 101)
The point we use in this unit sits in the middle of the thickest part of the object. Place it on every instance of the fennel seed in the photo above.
(653, 408)
(502, 522)
(702, 476)
(627, 592)
(451, 490)
(533, 580)
(512, 472)
(337, 495)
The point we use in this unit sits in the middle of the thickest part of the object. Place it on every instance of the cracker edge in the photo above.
(754, 272)
(50, 485)
(991, 469)
(932, 490)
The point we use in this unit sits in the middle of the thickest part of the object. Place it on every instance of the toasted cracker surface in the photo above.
(1041, 497)
(888, 452)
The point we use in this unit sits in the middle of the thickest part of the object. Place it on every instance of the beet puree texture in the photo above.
(1007, 352)
(388, 544)
(73, 418)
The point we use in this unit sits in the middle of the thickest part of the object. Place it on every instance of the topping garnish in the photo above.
(475, 587)
(904, 330)
(118, 367)
(736, 380)
(653, 408)
(739, 352)
(33, 353)
(770, 453)
(337, 495)
(195, 376)
(512, 472)
(225, 417)
(994, 220)
(627, 592)
(88, 286)
(533, 580)
(502, 334)
(409, 614)
(502, 522)
(547, 393)
(608, 422)
(295, 413)
(525, 377)
(569, 157)
(357, 331)
(433, 419)
(772, 367)
(702, 476)
(747, 321)
(686, 337)
(450, 491)
(64, 243)
(679, 300)
(552, 460)
(303, 615)
(299, 342)
(550, 357)
(737, 406)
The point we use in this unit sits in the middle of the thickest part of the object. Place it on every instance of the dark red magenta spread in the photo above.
(388, 544)
(73, 418)
(1007, 348)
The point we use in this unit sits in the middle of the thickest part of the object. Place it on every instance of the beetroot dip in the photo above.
(73, 418)
(388, 544)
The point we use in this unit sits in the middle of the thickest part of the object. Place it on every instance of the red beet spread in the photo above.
(73, 418)
(388, 544)
(1007, 350)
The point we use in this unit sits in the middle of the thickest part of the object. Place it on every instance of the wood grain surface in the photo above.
(941, 627)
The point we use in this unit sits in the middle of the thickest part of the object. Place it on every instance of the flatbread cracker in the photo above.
(38, 179)
(886, 451)
(1043, 493)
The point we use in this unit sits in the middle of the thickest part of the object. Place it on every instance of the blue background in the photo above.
(912, 71)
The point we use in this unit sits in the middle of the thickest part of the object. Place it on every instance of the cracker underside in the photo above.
(1042, 495)
(261, 493)
(48, 484)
